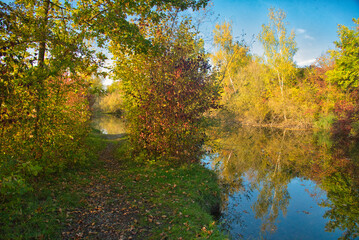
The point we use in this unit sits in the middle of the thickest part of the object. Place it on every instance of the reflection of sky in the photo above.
(304, 218)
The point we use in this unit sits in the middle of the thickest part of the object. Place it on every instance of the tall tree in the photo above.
(41, 55)
(279, 49)
(229, 57)
(346, 68)
(345, 75)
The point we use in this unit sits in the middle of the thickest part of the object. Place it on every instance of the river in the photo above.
(281, 184)
(108, 124)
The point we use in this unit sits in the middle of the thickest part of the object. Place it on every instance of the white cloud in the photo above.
(306, 36)
(307, 62)
(301, 30)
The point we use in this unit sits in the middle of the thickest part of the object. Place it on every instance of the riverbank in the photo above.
(117, 197)
(227, 118)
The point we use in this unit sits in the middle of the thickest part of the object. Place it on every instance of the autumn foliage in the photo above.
(273, 91)
(166, 92)
(35, 142)
(46, 59)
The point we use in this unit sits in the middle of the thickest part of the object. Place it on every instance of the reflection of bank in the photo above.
(268, 192)
(342, 204)
(109, 124)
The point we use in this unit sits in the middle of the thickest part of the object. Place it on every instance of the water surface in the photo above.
(108, 124)
(281, 184)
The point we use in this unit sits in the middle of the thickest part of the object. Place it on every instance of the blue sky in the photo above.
(315, 22)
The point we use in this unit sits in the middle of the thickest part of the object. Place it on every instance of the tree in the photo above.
(279, 49)
(345, 75)
(166, 91)
(229, 58)
(118, 21)
(43, 109)
(346, 69)
(47, 57)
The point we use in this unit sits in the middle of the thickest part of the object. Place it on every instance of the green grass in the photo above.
(174, 202)
(40, 213)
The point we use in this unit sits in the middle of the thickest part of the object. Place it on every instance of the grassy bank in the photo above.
(146, 200)
(176, 202)
(41, 212)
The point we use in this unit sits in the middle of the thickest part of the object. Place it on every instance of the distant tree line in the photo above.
(273, 91)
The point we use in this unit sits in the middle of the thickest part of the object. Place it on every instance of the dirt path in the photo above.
(107, 214)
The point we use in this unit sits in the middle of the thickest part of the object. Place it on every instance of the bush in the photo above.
(38, 142)
(165, 96)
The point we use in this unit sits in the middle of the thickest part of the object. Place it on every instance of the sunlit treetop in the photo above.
(346, 69)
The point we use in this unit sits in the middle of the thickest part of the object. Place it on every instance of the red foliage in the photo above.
(167, 115)
(347, 113)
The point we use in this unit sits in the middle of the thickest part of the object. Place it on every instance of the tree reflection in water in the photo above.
(109, 124)
(269, 159)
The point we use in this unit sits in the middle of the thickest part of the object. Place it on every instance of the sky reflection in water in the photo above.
(286, 185)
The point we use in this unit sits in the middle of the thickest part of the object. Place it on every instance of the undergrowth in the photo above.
(175, 202)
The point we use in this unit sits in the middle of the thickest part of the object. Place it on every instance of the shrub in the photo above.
(166, 94)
